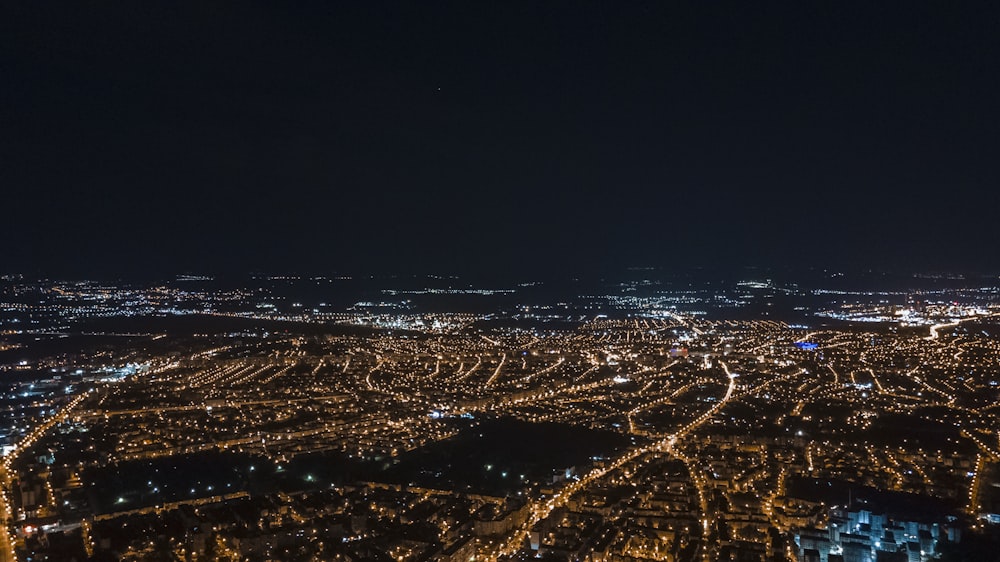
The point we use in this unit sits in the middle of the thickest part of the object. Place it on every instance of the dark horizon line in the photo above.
(505, 276)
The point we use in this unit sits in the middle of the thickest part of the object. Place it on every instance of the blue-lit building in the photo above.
(862, 535)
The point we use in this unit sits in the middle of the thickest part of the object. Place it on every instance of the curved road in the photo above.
(543, 508)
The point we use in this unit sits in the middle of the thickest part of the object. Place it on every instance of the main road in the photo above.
(6, 511)
(542, 507)
(6, 516)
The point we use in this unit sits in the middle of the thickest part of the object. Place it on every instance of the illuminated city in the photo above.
(636, 420)
(472, 281)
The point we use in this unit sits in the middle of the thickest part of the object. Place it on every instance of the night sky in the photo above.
(142, 138)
